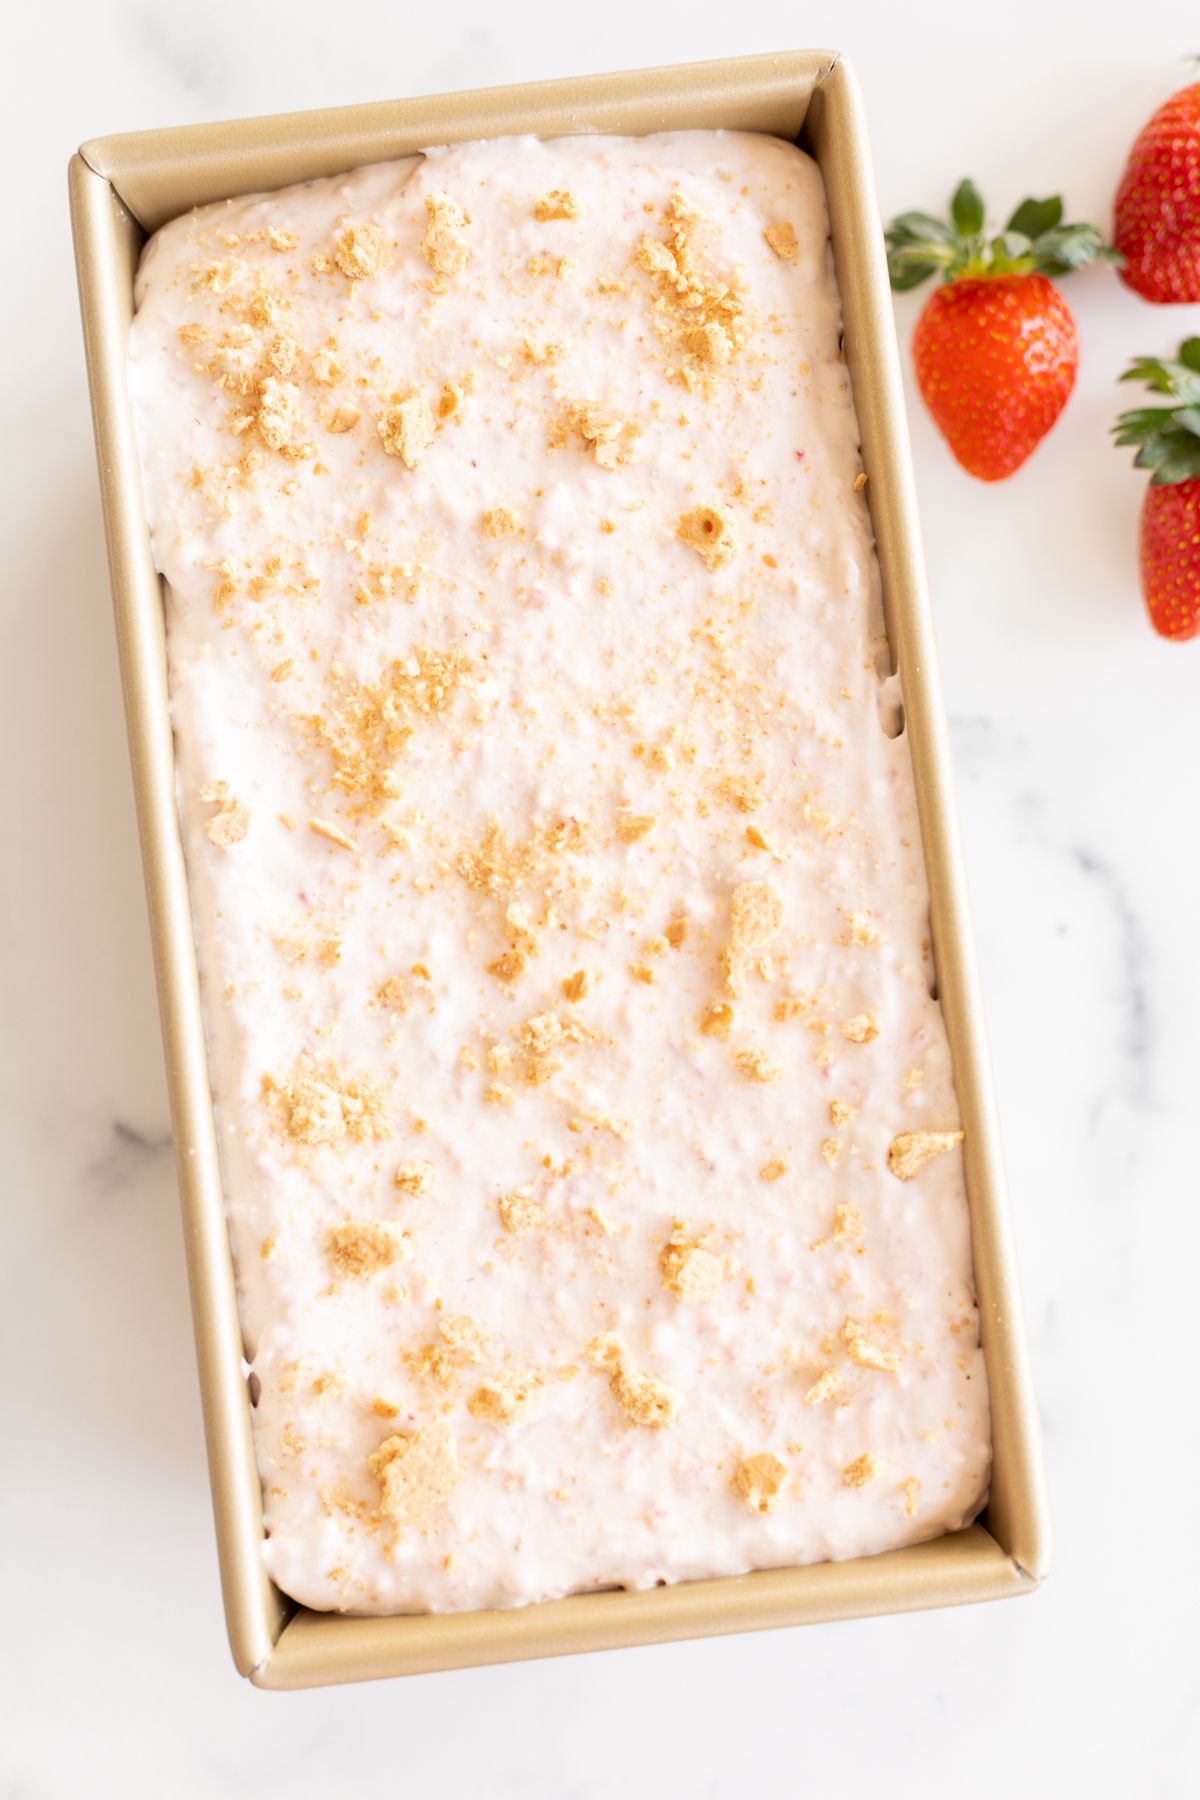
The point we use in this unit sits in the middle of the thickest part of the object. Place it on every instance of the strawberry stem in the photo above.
(1167, 437)
(1034, 240)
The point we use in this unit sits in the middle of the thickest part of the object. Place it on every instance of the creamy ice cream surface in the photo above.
(589, 1138)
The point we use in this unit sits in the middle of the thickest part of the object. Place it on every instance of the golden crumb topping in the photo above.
(417, 1473)
(362, 249)
(908, 1154)
(847, 1223)
(757, 1064)
(866, 1354)
(775, 1170)
(912, 1489)
(360, 1248)
(861, 1471)
(782, 239)
(631, 826)
(231, 820)
(415, 1177)
(559, 203)
(507, 1398)
(755, 915)
(520, 1213)
(825, 1387)
(759, 1481)
(861, 1029)
(499, 522)
(841, 1112)
(407, 429)
(445, 246)
(317, 1104)
(689, 1268)
(643, 1398)
(578, 986)
(611, 439)
(278, 418)
(702, 316)
(712, 533)
(368, 724)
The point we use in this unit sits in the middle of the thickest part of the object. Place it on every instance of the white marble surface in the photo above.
(1078, 741)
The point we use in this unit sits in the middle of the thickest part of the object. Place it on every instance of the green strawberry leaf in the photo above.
(917, 225)
(1189, 354)
(1033, 218)
(966, 209)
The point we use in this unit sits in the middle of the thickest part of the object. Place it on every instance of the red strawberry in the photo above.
(1157, 225)
(1168, 443)
(995, 349)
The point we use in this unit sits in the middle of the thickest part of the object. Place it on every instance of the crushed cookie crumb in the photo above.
(231, 820)
(861, 1471)
(861, 1029)
(759, 1480)
(847, 1223)
(825, 1387)
(866, 1354)
(361, 250)
(712, 533)
(717, 1019)
(360, 1248)
(757, 1064)
(498, 1093)
(507, 1398)
(407, 429)
(908, 1154)
(520, 1213)
(676, 933)
(334, 833)
(782, 239)
(445, 246)
(499, 522)
(841, 1112)
(775, 1170)
(578, 986)
(912, 1489)
(644, 1399)
(755, 915)
(559, 203)
(632, 827)
(860, 929)
(830, 1150)
(415, 1177)
(689, 1269)
(316, 1104)
(417, 1473)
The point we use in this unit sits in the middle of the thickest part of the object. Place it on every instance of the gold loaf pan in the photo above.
(125, 187)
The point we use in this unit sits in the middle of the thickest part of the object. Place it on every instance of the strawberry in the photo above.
(995, 349)
(1157, 224)
(1168, 444)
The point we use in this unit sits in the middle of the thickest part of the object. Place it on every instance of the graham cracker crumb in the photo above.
(508, 966)
(782, 239)
(676, 933)
(507, 1398)
(914, 1079)
(334, 833)
(831, 1152)
(415, 1177)
(383, 1409)
(416, 1473)
(755, 915)
(912, 1489)
(847, 1223)
(825, 1387)
(860, 929)
(759, 1480)
(865, 1353)
(861, 1471)
(499, 522)
(407, 429)
(316, 1104)
(344, 418)
(841, 1112)
(578, 986)
(689, 1269)
(861, 1029)
(712, 533)
(611, 439)
(498, 1093)
(559, 203)
(361, 250)
(644, 1399)
(701, 315)
(908, 1154)
(360, 1248)
(758, 1065)
(775, 1170)
(717, 1019)
(231, 820)
(631, 826)
(860, 481)
(445, 246)
(520, 1213)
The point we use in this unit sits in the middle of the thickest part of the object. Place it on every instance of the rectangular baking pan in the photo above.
(121, 189)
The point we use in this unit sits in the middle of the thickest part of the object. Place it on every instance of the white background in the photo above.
(1077, 735)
